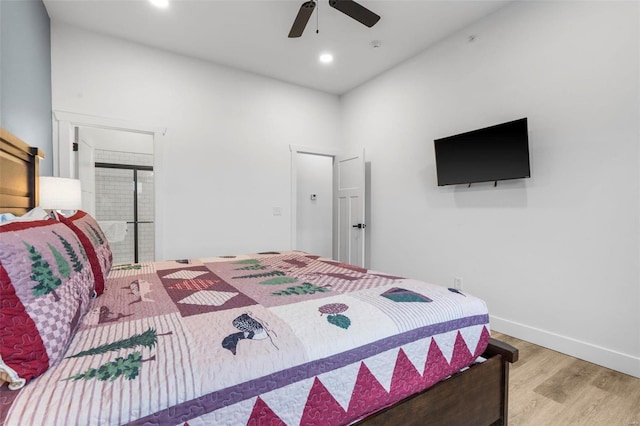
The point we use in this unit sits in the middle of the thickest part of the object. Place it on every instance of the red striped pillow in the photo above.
(46, 283)
(94, 242)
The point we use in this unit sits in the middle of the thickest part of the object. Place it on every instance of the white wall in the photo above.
(224, 161)
(555, 256)
(314, 223)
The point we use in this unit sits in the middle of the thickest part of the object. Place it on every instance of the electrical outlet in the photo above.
(277, 211)
(457, 283)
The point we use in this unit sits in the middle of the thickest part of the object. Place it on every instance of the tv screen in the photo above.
(494, 153)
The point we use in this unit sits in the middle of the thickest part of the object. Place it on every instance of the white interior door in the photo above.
(87, 174)
(349, 181)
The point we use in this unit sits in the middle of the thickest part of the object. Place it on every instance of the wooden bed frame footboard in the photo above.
(476, 396)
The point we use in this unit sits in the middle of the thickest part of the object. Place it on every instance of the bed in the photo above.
(270, 338)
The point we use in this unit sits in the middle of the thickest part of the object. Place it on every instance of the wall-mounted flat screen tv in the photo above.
(494, 153)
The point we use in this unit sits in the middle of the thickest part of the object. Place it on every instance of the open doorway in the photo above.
(337, 217)
(314, 212)
(67, 162)
(116, 171)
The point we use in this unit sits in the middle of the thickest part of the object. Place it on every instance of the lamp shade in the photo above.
(58, 193)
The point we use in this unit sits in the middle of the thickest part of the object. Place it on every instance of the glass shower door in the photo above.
(125, 195)
(114, 203)
(145, 216)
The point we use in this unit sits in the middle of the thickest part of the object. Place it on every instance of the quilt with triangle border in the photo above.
(278, 338)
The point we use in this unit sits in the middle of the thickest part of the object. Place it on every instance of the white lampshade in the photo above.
(58, 193)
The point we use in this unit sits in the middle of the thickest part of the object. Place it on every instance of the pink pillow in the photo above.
(95, 244)
(46, 283)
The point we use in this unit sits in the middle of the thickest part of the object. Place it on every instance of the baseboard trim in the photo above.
(614, 360)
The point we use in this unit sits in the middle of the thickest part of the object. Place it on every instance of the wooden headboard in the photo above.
(19, 174)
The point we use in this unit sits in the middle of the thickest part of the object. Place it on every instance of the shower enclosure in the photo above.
(125, 197)
(116, 168)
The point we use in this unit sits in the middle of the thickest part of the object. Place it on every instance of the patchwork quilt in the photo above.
(273, 338)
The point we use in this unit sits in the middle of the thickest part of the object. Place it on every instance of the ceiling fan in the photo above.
(348, 7)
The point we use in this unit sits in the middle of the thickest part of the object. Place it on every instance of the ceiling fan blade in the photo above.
(355, 11)
(302, 18)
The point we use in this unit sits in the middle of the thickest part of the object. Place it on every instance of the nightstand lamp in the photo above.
(61, 194)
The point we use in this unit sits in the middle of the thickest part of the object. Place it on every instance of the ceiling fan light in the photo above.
(326, 58)
(162, 4)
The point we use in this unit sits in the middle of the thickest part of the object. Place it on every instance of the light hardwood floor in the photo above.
(550, 388)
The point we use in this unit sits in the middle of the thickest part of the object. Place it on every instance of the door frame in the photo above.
(300, 149)
(64, 123)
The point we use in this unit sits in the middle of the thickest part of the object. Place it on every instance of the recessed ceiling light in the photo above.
(163, 4)
(326, 58)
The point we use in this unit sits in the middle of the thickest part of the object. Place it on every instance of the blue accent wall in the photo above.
(25, 75)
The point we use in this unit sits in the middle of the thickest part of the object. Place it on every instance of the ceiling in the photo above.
(252, 34)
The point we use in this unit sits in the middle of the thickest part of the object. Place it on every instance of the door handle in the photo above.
(359, 226)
